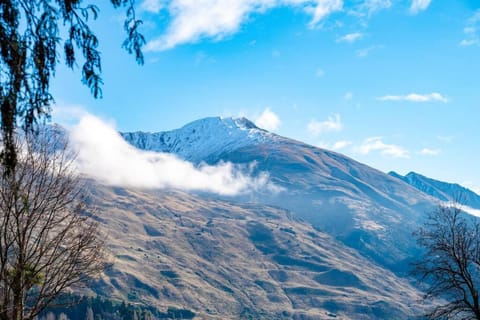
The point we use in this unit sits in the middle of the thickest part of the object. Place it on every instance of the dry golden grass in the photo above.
(225, 260)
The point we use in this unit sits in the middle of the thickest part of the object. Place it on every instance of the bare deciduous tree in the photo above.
(48, 240)
(451, 262)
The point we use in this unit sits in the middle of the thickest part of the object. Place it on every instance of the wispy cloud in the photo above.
(111, 160)
(319, 73)
(192, 20)
(471, 31)
(341, 144)
(419, 5)
(319, 10)
(362, 53)
(153, 6)
(348, 96)
(430, 152)
(333, 123)
(372, 6)
(445, 139)
(268, 120)
(470, 42)
(415, 97)
(376, 144)
(351, 37)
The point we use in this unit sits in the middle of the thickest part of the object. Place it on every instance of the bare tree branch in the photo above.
(450, 264)
(49, 239)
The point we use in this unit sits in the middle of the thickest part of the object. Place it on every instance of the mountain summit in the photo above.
(202, 139)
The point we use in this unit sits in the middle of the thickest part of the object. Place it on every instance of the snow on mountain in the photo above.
(202, 139)
(443, 191)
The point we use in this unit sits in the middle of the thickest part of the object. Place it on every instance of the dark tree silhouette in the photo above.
(450, 265)
(33, 34)
(48, 240)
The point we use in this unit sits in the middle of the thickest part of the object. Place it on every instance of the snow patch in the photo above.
(203, 139)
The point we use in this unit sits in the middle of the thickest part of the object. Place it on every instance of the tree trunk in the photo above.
(18, 300)
(7, 110)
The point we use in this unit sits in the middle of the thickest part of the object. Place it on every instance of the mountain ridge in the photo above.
(443, 191)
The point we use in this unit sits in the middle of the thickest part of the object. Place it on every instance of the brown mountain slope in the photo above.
(225, 260)
(366, 209)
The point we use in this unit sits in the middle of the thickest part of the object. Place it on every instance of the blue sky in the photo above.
(391, 83)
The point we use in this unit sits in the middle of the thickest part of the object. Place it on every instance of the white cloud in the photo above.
(351, 37)
(333, 123)
(367, 8)
(445, 139)
(322, 145)
(419, 5)
(320, 9)
(362, 53)
(341, 144)
(430, 152)
(348, 96)
(471, 31)
(471, 211)
(415, 97)
(469, 42)
(153, 6)
(105, 156)
(464, 208)
(192, 20)
(268, 120)
(376, 144)
(378, 4)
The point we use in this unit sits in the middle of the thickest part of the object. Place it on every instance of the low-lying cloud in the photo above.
(104, 155)
(464, 208)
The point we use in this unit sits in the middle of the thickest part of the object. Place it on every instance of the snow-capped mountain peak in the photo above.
(201, 139)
